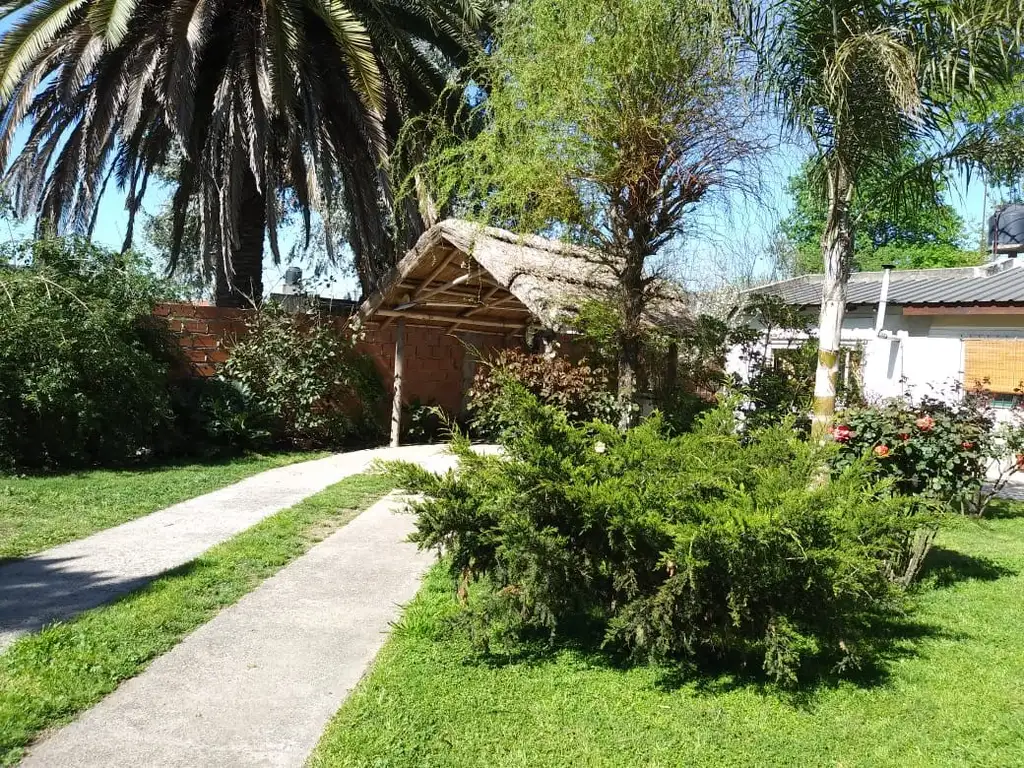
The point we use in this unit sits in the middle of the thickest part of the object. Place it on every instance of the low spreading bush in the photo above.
(708, 547)
(936, 450)
(83, 375)
(583, 393)
(306, 379)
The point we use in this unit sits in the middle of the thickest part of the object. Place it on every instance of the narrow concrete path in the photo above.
(257, 685)
(61, 582)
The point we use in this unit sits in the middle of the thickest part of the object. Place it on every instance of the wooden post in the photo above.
(672, 367)
(396, 402)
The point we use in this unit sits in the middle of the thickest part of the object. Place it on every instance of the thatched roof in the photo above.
(482, 278)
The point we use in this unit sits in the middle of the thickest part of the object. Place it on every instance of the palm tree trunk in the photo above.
(245, 286)
(837, 250)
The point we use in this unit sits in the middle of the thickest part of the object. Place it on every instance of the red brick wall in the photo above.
(205, 334)
(438, 366)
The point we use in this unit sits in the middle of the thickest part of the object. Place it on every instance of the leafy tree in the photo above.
(259, 98)
(1003, 116)
(863, 80)
(606, 122)
(911, 237)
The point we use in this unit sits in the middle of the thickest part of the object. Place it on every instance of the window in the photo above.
(994, 364)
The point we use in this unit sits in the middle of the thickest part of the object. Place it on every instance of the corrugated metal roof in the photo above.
(1000, 283)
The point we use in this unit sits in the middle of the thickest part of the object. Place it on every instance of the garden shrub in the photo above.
(425, 423)
(83, 374)
(307, 379)
(581, 391)
(707, 547)
(937, 449)
(780, 381)
(214, 416)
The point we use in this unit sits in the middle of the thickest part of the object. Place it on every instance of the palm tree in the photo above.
(259, 103)
(862, 80)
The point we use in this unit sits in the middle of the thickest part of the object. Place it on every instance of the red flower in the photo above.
(925, 423)
(882, 451)
(842, 433)
(903, 435)
(967, 445)
(1020, 461)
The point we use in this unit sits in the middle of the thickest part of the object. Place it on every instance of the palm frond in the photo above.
(255, 99)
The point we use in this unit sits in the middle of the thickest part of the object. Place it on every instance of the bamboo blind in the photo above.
(1000, 361)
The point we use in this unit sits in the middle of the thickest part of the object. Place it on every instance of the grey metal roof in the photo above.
(998, 283)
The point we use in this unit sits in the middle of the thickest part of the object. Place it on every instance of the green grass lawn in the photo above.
(954, 696)
(41, 512)
(48, 677)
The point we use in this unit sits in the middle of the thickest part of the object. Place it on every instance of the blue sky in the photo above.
(724, 228)
(729, 229)
(728, 225)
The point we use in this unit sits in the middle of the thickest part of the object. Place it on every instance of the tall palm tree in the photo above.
(255, 100)
(862, 80)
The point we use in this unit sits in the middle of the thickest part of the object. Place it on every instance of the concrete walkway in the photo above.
(257, 685)
(66, 580)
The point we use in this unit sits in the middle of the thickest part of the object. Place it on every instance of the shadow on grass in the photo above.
(946, 567)
(163, 463)
(1004, 509)
(887, 641)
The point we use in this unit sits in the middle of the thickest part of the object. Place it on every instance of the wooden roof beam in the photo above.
(472, 292)
(436, 273)
(476, 310)
(460, 280)
(438, 318)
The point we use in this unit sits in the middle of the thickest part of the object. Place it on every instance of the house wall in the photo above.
(923, 356)
(439, 366)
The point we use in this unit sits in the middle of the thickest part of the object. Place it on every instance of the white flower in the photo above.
(600, 447)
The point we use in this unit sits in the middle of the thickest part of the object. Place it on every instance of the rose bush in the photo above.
(938, 450)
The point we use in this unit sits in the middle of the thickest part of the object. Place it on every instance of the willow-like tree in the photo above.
(606, 122)
(258, 100)
(862, 80)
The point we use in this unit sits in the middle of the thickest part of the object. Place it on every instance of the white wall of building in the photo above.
(923, 355)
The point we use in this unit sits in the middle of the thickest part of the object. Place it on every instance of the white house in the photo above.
(922, 330)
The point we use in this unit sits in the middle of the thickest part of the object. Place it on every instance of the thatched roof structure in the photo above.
(463, 275)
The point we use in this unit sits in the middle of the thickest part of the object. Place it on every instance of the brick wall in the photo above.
(205, 334)
(438, 366)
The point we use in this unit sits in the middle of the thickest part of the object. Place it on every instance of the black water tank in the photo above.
(1006, 229)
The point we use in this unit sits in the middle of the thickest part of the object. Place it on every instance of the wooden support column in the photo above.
(396, 401)
(672, 367)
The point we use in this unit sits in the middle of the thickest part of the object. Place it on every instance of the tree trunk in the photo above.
(240, 284)
(837, 250)
(631, 343)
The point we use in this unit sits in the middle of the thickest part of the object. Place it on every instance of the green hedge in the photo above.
(83, 375)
